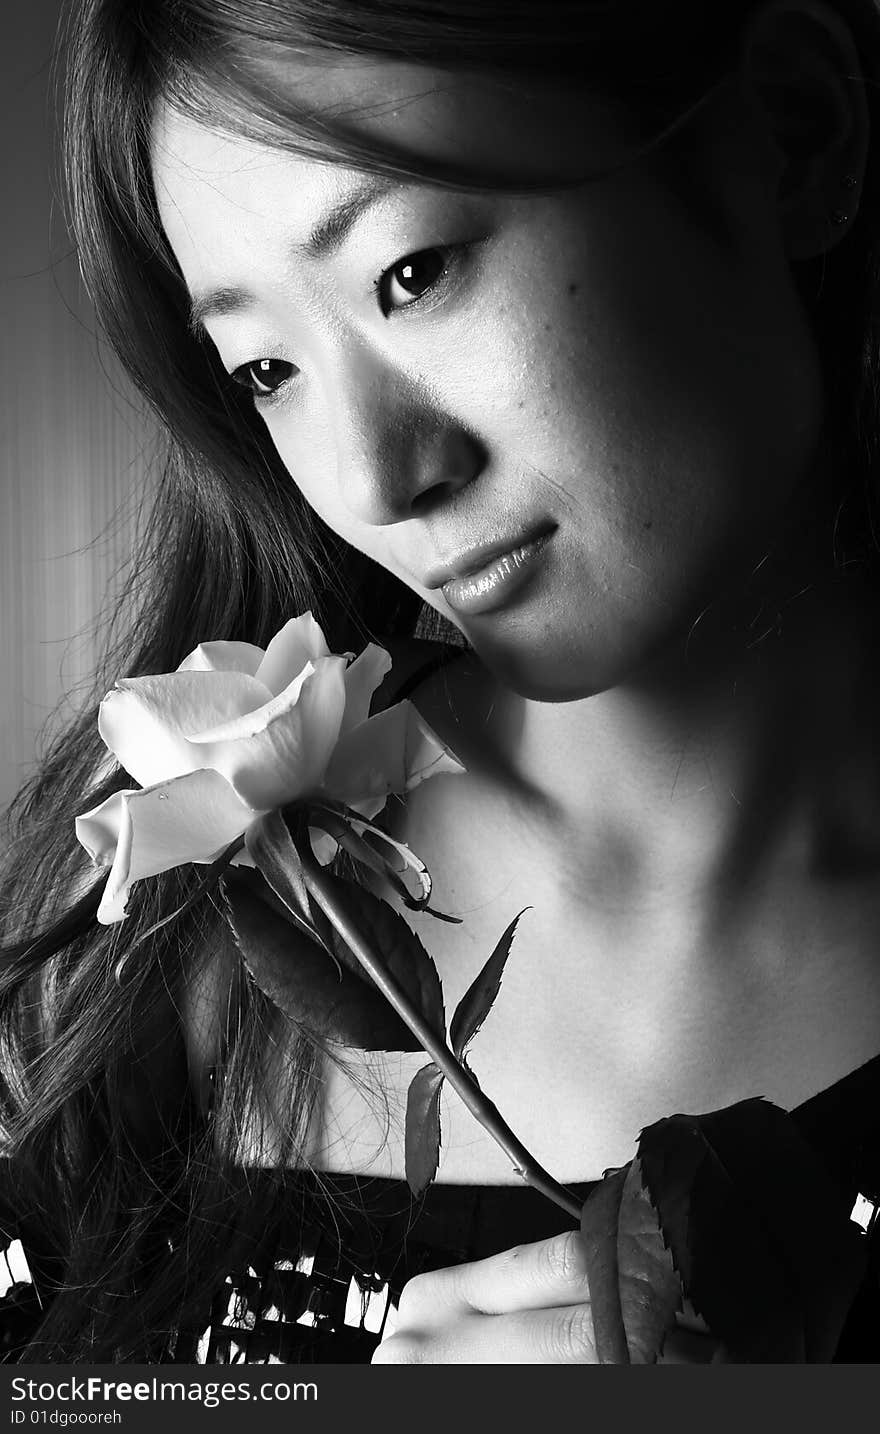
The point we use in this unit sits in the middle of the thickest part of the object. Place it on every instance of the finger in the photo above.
(546, 1336)
(537, 1276)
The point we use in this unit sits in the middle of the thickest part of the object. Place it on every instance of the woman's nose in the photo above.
(399, 453)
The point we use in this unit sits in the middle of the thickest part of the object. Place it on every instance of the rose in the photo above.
(238, 731)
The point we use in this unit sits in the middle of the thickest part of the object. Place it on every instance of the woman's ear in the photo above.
(802, 72)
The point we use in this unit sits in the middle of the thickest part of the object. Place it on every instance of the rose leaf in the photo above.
(599, 1218)
(479, 998)
(307, 984)
(759, 1233)
(649, 1283)
(249, 879)
(395, 943)
(634, 1288)
(422, 1138)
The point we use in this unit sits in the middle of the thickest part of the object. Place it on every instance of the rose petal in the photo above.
(99, 830)
(145, 720)
(239, 729)
(426, 756)
(192, 818)
(391, 752)
(370, 761)
(362, 678)
(141, 741)
(368, 807)
(299, 641)
(280, 753)
(223, 657)
(324, 846)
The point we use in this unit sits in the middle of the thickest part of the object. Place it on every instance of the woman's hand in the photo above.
(528, 1305)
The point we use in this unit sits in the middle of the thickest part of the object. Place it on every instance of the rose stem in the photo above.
(435, 1046)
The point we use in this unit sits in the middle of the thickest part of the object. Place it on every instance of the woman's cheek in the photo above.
(306, 448)
(310, 459)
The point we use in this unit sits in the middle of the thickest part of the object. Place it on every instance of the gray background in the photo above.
(75, 448)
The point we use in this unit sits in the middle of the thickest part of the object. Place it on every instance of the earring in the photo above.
(850, 182)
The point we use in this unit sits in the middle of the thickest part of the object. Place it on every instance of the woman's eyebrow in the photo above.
(330, 231)
(224, 300)
(322, 241)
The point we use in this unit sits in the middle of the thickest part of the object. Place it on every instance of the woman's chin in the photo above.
(546, 672)
(569, 667)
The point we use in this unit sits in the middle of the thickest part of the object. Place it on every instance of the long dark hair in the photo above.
(115, 1153)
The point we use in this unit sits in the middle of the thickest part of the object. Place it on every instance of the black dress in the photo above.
(326, 1302)
(316, 1288)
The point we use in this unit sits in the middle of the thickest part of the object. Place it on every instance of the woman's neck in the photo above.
(710, 764)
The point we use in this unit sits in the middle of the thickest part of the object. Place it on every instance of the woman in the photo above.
(561, 318)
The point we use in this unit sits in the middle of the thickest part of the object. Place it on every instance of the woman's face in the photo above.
(567, 420)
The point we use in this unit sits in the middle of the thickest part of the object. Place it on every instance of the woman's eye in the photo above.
(410, 279)
(399, 287)
(264, 377)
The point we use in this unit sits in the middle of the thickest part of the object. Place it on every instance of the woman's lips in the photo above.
(496, 582)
